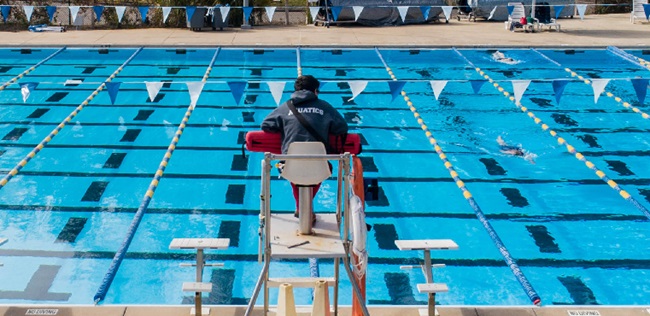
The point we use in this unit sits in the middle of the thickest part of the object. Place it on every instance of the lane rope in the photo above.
(30, 69)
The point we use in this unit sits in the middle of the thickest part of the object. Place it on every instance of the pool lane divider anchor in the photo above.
(144, 204)
(512, 264)
(61, 125)
(588, 82)
(569, 148)
(30, 69)
(637, 60)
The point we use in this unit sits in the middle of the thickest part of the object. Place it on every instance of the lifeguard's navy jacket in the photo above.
(323, 118)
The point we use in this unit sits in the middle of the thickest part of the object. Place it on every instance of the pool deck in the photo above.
(593, 31)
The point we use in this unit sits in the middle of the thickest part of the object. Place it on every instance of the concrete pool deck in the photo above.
(593, 31)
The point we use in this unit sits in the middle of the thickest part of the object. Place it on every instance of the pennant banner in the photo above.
(476, 85)
(26, 88)
(510, 9)
(29, 9)
(447, 11)
(336, 10)
(641, 88)
(143, 12)
(237, 89)
(314, 12)
(646, 10)
(51, 10)
(519, 87)
(357, 12)
(5, 9)
(276, 88)
(224, 13)
(166, 11)
(581, 10)
(357, 87)
(599, 87)
(492, 13)
(153, 88)
(74, 10)
(321, 85)
(425, 12)
(558, 9)
(437, 86)
(402, 12)
(195, 89)
(98, 11)
(396, 88)
(271, 10)
(558, 88)
(189, 12)
(247, 13)
(113, 88)
(120, 13)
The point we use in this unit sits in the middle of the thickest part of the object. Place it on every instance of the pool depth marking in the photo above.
(586, 81)
(61, 125)
(562, 141)
(512, 264)
(30, 69)
(137, 218)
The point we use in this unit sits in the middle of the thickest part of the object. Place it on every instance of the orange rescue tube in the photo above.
(358, 188)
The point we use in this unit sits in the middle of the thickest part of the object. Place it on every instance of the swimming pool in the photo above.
(576, 239)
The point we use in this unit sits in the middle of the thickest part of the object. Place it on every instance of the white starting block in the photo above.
(430, 287)
(198, 287)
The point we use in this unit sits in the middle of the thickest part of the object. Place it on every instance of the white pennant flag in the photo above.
(224, 13)
(437, 86)
(73, 13)
(492, 13)
(447, 11)
(269, 12)
(581, 10)
(24, 90)
(599, 87)
(402, 12)
(519, 87)
(153, 88)
(166, 11)
(120, 13)
(276, 87)
(357, 87)
(357, 11)
(314, 12)
(195, 89)
(29, 9)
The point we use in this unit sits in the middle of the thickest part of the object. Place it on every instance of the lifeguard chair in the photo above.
(282, 236)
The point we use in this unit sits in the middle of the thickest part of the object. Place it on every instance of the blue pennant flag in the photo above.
(646, 10)
(558, 88)
(396, 88)
(237, 88)
(321, 85)
(143, 12)
(50, 11)
(336, 10)
(113, 88)
(641, 88)
(425, 12)
(98, 11)
(558, 10)
(477, 84)
(510, 9)
(247, 13)
(5, 11)
(189, 11)
(26, 88)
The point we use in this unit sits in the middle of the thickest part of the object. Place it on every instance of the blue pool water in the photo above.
(576, 239)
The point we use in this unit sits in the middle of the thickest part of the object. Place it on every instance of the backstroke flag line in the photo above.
(396, 88)
(29, 9)
(581, 10)
(276, 87)
(437, 86)
(237, 89)
(402, 12)
(98, 11)
(640, 87)
(558, 88)
(519, 87)
(314, 12)
(74, 10)
(112, 88)
(425, 12)
(599, 87)
(357, 11)
(357, 87)
(224, 13)
(447, 11)
(476, 85)
(120, 13)
(26, 88)
(50, 11)
(269, 12)
(166, 11)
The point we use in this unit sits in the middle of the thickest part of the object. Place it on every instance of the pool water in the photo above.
(576, 239)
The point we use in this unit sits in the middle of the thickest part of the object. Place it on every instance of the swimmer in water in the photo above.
(501, 57)
(514, 150)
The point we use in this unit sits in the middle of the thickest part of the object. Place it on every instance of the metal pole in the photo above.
(199, 278)
(305, 198)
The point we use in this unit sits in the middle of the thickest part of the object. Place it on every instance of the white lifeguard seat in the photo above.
(306, 172)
